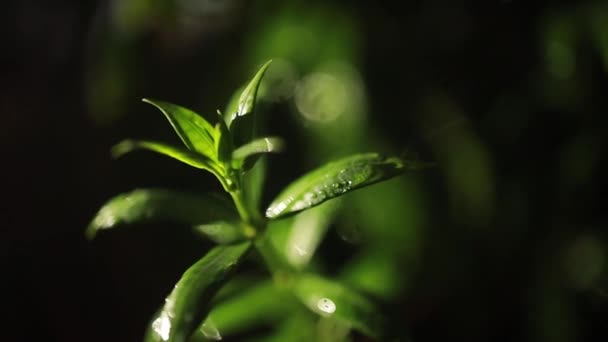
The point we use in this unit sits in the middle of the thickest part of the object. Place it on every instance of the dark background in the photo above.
(527, 81)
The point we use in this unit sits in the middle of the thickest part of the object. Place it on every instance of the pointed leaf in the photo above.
(245, 156)
(242, 123)
(193, 129)
(193, 159)
(154, 205)
(248, 97)
(332, 299)
(335, 179)
(189, 301)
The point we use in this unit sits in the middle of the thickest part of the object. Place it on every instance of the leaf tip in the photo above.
(122, 148)
(90, 232)
(267, 63)
(153, 102)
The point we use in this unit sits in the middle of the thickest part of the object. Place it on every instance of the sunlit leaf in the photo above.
(193, 129)
(261, 303)
(193, 159)
(335, 179)
(224, 232)
(189, 301)
(245, 156)
(332, 299)
(148, 205)
(248, 97)
(242, 123)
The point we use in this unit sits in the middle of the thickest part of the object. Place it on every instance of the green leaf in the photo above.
(377, 271)
(299, 326)
(248, 97)
(331, 299)
(223, 140)
(147, 205)
(224, 232)
(335, 179)
(193, 129)
(245, 156)
(242, 123)
(189, 301)
(253, 184)
(296, 238)
(261, 303)
(232, 106)
(193, 159)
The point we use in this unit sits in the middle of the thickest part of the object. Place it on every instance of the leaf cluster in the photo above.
(230, 149)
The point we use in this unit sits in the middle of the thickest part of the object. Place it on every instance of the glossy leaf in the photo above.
(261, 303)
(248, 97)
(335, 179)
(331, 299)
(193, 129)
(193, 159)
(224, 232)
(148, 205)
(245, 156)
(189, 301)
(242, 123)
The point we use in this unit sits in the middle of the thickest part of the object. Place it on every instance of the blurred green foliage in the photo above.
(388, 234)
(504, 239)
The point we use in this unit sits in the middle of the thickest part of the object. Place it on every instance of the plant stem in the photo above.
(240, 206)
(255, 223)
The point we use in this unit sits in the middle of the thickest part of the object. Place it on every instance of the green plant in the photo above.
(204, 302)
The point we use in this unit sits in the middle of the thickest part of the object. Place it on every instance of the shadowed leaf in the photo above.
(297, 237)
(223, 140)
(333, 300)
(154, 205)
(224, 232)
(188, 157)
(261, 303)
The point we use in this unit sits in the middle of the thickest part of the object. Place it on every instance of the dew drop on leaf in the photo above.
(326, 305)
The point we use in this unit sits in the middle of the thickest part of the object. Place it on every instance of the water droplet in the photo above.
(162, 326)
(209, 329)
(276, 209)
(326, 305)
(350, 232)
